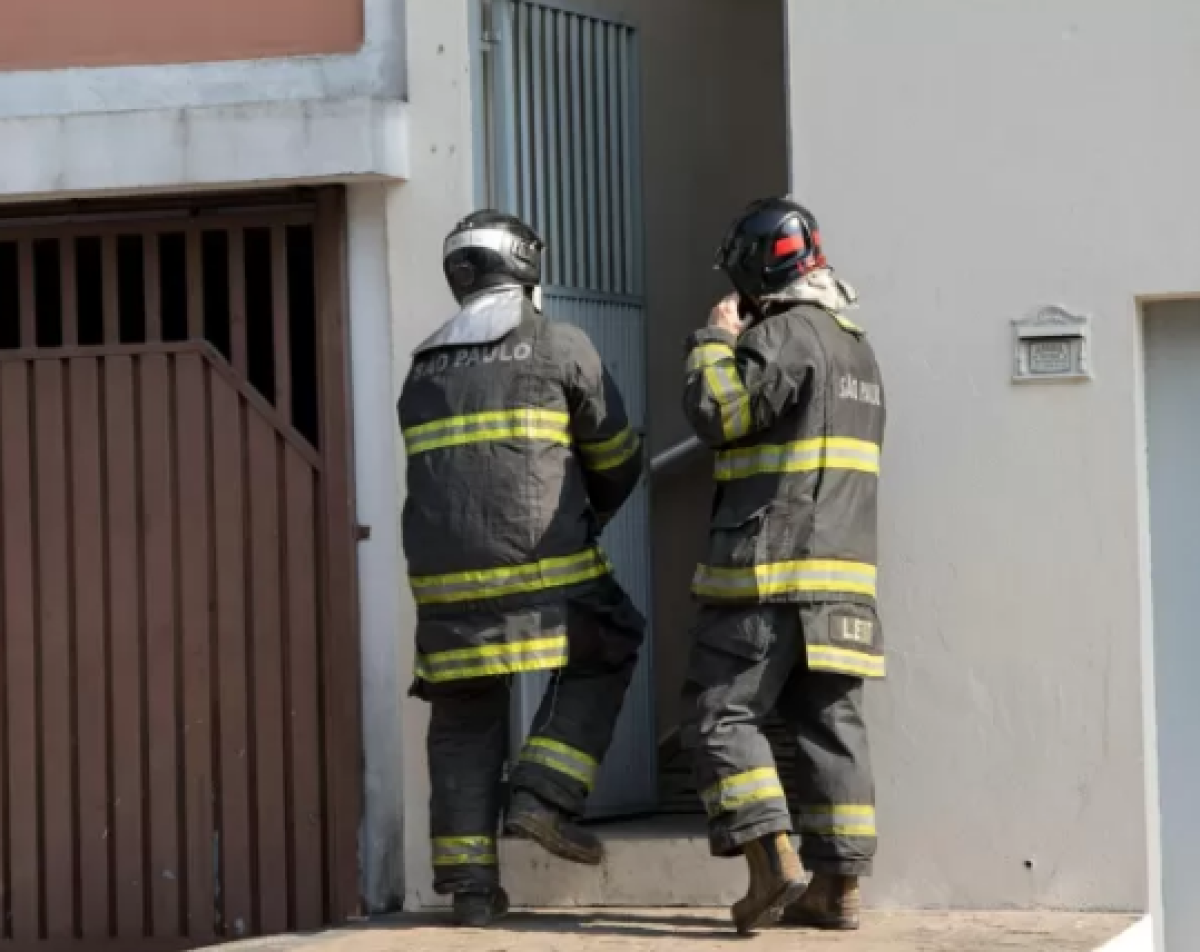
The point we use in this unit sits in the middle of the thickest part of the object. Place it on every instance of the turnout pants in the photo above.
(745, 664)
(469, 737)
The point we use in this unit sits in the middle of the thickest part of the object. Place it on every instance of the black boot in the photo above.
(480, 908)
(533, 819)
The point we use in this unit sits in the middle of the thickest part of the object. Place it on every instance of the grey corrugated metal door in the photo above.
(559, 146)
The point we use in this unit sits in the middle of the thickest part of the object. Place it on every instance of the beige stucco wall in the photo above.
(714, 138)
(52, 34)
(971, 162)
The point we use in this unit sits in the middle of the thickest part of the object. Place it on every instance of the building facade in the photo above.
(220, 238)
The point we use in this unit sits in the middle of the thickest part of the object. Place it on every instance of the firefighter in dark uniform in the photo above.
(519, 452)
(787, 390)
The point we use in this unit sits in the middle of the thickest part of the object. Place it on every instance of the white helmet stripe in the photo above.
(489, 239)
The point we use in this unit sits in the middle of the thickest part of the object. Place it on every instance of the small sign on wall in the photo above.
(1052, 345)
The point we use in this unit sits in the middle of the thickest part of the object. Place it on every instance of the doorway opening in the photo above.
(1171, 338)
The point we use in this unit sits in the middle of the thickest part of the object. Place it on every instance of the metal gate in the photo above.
(560, 147)
(179, 737)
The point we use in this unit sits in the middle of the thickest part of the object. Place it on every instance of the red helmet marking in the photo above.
(788, 245)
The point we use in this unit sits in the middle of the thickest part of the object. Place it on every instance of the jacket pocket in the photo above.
(743, 634)
(735, 538)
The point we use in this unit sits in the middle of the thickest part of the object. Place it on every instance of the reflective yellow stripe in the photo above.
(464, 851)
(799, 457)
(510, 580)
(784, 578)
(726, 388)
(837, 820)
(525, 424)
(845, 661)
(848, 325)
(708, 354)
(732, 793)
(611, 453)
(554, 755)
(542, 654)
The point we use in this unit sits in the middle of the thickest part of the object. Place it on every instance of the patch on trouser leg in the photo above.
(744, 807)
(463, 862)
(837, 838)
(844, 639)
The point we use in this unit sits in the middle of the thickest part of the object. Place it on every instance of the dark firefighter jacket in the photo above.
(794, 408)
(519, 451)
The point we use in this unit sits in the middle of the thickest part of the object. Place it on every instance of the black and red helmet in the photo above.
(773, 244)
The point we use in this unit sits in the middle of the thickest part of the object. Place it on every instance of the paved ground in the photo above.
(709, 931)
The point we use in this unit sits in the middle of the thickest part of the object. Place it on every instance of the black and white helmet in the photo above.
(489, 249)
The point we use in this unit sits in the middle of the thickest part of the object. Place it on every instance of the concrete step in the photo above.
(660, 862)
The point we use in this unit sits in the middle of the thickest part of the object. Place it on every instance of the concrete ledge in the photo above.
(180, 149)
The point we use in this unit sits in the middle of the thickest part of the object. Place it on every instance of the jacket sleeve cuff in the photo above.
(711, 335)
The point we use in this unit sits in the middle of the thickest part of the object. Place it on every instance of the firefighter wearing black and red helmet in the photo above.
(519, 451)
(787, 390)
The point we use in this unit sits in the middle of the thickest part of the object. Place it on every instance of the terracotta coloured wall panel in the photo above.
(48, 34)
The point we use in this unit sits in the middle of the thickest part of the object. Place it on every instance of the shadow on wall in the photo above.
(681, 513)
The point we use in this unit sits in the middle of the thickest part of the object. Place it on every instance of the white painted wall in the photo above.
(969, 162)
(419, 215)
(79, 132)
(375, 448)
(375, 71)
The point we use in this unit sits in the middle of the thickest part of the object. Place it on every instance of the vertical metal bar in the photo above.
(152, 282)
(590, 146)
(302, 568)
(89, 507)
(566, 270)
(506, 106)
(520, 44)
(603, 152)
(195, 285)
(340, 653)
(635, 164)
(156, 437)
(18, 481)
(551, 172)
(616, 145)
(54, 596)
(481, 61)
(237, 301)
(25, 285)
(125, 641)
(282, 308)
(538, 121)
(219, 521)
(578, 145)
(69, 283)
(629, 157)
(112, 299)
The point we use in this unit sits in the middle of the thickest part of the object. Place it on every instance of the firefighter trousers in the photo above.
(746, 664)
(468, 739)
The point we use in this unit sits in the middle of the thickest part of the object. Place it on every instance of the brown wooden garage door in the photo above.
(179, 752)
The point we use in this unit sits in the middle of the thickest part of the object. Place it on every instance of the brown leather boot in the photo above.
(829, 902)
(776, 881)
(531, 818)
